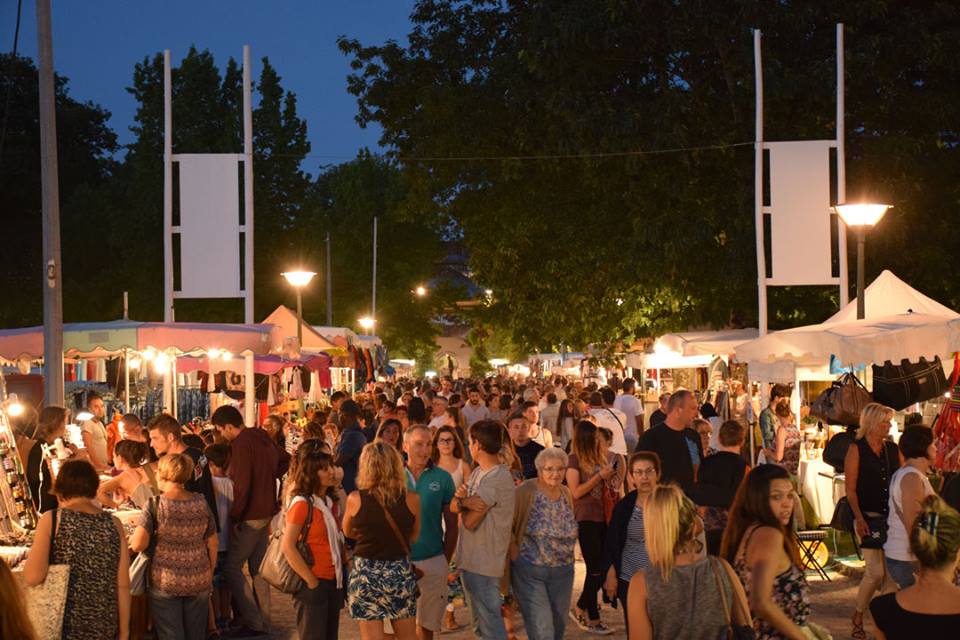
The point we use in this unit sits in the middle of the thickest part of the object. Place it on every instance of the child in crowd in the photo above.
(218, 457)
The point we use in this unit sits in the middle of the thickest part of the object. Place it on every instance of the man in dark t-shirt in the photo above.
(677, 444)
(519, 427)
(658, 416)
(166, 436)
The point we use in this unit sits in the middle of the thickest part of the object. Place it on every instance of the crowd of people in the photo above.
(386, 509)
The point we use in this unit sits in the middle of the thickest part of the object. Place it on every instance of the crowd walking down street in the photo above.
(363, 523)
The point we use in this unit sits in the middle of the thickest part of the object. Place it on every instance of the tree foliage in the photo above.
(522, 119)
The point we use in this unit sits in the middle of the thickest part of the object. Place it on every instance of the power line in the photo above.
(557, 156)
(11, 67)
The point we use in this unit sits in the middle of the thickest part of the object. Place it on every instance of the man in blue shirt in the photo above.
(351, 443)
(433, 548)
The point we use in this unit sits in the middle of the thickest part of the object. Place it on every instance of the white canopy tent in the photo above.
(889, 295)
(705, 343)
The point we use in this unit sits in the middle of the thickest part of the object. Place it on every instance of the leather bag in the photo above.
(275, 569)
(900, 385)
(842, 402)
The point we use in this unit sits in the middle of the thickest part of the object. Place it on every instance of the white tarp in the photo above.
(800, 213)
(706, 343)
(889, 295)
(872, 340)
(209, 221)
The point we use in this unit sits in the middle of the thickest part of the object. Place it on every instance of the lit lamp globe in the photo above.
(299, 278)
(421, 291)
(366, 323)
(861, 216)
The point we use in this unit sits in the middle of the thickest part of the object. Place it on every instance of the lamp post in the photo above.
(861, 217)
(299, 279)
(367, 323)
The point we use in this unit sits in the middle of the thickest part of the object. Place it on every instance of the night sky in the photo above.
(98, 42)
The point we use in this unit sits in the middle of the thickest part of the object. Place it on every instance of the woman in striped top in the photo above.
(626, 549)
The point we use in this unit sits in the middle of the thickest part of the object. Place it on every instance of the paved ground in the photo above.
(832, 608)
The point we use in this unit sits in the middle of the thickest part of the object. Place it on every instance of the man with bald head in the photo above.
(675, 441)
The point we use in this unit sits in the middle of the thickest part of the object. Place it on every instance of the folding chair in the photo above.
(809, 541)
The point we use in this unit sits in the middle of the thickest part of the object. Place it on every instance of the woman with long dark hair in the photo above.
(567, 418)
(764, 554)
(318, 602)
(417, 411)
(589, 467)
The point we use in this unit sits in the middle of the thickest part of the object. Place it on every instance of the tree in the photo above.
(345, 199)
(522, 120)
(85, 148)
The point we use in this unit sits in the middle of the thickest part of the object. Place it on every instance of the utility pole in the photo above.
(329, 275)
(52, 294)
(373, 301)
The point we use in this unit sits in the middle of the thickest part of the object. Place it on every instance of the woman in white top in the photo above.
(908, 487)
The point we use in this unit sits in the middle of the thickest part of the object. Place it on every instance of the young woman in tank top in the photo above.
(765, 556)
(908, 488)
(137, 480)
(448, 454)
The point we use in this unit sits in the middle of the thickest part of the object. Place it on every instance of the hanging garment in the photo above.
(296, 385)
(371, 370)
(314, 394)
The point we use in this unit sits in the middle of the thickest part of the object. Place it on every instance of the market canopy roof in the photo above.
(889, 295)
(286, 319)
(107, 338)
(704, 343)
(871, 340)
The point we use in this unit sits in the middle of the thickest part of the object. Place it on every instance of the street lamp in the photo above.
(861, 216)
(298, 280)
(421, 291)
(367, 323)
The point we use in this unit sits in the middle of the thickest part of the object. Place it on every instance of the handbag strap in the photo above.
(723, 596)
(393, 525)
(53, 534)
(153, 507)
(152, 477)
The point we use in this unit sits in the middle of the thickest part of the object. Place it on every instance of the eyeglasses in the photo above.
(553, 469)
(444, 440)
(644, 472)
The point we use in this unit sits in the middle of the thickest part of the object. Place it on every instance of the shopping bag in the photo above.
(842, 402)
(900, 385)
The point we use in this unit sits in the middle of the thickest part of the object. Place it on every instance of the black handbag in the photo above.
(842, 519)
(878, 532)
(899, 386)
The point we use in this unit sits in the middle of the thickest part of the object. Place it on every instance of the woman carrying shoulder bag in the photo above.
(679, 574)
(319, 601)
(869, 466)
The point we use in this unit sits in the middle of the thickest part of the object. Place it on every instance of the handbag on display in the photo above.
(140, 566)
(842, 402)
(900, 385)
(47, 601)
(275, 569)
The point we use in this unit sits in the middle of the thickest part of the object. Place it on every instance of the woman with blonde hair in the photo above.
(184, 554)
(384, 520)
(679, 573)
(930, 608)
(14, 622)
(869, 466)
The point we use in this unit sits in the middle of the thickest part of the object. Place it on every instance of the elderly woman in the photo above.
(541, 551)
(869, 466)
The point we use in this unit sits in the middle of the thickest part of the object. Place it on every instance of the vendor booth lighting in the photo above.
(14, 408)
(161, 363)
(135, 364)
(226, 356)
(499, 362)
(431, 374)
(149, 354)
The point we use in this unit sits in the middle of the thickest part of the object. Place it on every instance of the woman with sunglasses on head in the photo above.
(625, 547)
(930, 608)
